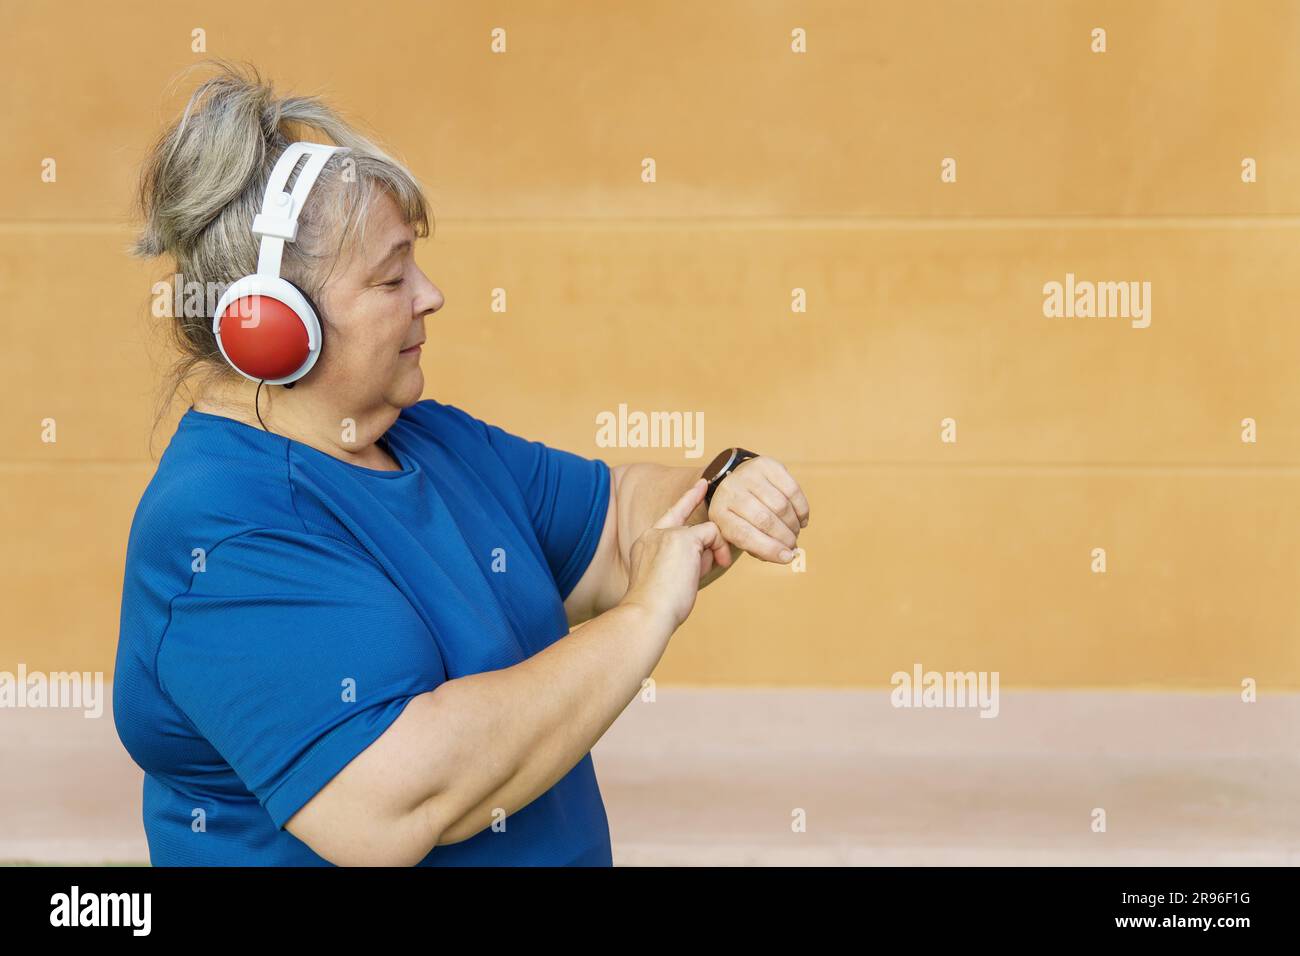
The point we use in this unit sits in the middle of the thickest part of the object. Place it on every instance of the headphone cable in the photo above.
(257, 401)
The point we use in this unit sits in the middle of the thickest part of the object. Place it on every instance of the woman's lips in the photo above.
(413, 350)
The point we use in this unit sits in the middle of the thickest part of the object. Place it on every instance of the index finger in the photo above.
(676, 516)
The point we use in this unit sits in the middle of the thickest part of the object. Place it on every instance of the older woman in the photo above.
(345, 617)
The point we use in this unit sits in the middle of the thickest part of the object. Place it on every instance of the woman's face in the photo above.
(374, 320)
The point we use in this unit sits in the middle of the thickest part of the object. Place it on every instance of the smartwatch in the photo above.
(726, 462)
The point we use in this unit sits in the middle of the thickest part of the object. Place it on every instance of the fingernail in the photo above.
(786, 556)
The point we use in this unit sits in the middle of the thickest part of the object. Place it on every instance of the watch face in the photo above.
(718, 464)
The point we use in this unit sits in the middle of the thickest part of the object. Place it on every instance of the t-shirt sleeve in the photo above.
(567, 497)
(291, 653)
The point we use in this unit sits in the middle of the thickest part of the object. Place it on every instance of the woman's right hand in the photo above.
(669, 560)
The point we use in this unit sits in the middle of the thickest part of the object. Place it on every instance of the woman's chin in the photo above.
(409, 387)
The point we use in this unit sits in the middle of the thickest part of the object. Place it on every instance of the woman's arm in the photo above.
(487, 744)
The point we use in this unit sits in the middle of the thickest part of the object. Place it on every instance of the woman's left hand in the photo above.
(760, 509)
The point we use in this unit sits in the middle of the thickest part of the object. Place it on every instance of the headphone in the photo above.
(266, 327)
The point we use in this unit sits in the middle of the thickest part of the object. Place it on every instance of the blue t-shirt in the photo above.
(281, 607)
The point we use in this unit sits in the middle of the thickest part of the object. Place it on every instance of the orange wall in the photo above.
(775, 170)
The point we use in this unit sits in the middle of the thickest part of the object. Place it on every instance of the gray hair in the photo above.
(204, 179)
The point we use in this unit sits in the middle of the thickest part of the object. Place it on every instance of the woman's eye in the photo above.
(395, 283)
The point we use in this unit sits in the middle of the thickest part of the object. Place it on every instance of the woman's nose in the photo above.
(431, 299)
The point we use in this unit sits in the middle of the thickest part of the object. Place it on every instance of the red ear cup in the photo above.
(263, 337)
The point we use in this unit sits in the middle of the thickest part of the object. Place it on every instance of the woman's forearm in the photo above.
(511, 734)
